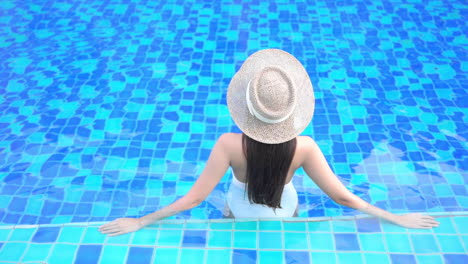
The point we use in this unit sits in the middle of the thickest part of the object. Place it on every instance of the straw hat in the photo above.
(271, 97)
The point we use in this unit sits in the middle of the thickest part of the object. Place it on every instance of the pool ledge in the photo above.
(231, 220)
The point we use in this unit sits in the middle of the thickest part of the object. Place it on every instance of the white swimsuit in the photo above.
(241, 207)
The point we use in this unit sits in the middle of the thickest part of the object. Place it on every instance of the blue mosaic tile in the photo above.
(455, 258)
(346, 242)
(243, 256)
(46, 235)
(88, 254)
(139, 255)
(194, 238)
(368, 225)
(296, 257)
(403, 258)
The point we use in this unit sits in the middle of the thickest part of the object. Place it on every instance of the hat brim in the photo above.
(250, 125)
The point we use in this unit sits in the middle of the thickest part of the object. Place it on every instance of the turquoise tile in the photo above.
(270, 225)
(424, 243)
(4, 234)
(392, 228)
(372, 258)
(171, 226)
(61, 254)
(170, 238)
(245, 239)
(398, 243)
(344, 226)
(450, 243)
(70, 234)
(22, 234)
(221, 226)
(218, 256)
(421, 230)
(145, 236)
(446, 226)
(443, 190)
(321, 226)
(12, 251)
(114, 254)
(271, 257)
(349, 257)
(249, 225)
(465, 241)
(323, 257)
(429, 259)
(461, 225)
(166, 255)
(372, 242)
(202, 226)
(294, 226)
(120, 239)
(37, 252)
(295, 240)
(93, 236)
(270, 240)
(192, 255)
(321, 241)
(219, 238)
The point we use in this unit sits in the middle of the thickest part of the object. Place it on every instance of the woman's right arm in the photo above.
(317, 168)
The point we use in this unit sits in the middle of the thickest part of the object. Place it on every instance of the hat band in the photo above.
(258, 115)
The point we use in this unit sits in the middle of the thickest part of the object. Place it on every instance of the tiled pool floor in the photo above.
(289, 240)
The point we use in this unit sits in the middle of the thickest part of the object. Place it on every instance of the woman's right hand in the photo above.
(415, 220)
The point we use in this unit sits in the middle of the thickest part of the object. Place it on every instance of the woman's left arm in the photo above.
(215, 168)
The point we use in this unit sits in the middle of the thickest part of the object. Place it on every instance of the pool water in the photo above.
(110, 109)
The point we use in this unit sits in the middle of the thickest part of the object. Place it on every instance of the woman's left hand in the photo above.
(121, 226)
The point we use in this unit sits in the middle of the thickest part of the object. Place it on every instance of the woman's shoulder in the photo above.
(229, 137)
(305, 140)
(230, 140)
(305, 145)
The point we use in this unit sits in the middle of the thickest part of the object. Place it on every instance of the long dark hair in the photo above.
(267, 169)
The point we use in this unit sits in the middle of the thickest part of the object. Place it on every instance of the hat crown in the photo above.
(268, 84)
(272, 94)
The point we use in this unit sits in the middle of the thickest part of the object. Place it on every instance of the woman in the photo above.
(271, 100)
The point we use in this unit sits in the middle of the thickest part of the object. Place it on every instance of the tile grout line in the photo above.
(332, 233)
(408, 235)
(457, 233)
(384, 241)
(153, 256)
(231, 250)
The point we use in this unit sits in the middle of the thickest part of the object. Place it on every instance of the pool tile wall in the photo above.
(284, 241)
